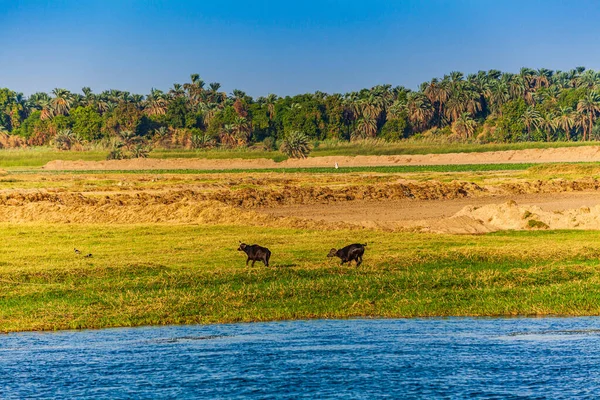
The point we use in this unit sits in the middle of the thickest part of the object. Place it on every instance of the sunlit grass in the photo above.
(38, 156)
(161, 274)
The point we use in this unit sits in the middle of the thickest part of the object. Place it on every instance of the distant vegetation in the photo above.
(487, 107)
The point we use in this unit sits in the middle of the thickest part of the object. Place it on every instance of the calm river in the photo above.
(406, 358)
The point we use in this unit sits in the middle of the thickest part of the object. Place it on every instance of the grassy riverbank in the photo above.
(160, 274)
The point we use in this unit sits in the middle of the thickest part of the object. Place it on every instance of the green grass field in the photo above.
(159, 274)
(311, 170)
(185, 273)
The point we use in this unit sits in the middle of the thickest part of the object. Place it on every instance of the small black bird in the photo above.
(77, 251)
(88, 256)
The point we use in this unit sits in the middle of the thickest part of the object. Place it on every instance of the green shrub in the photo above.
(269, 143)
(535, 224)
(66, 139)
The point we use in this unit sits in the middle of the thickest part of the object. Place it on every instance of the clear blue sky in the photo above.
(284, 47)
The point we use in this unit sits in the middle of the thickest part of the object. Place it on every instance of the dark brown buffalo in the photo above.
(353, 252)
(255, 253)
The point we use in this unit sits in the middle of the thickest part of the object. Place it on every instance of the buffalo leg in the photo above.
(253, 261)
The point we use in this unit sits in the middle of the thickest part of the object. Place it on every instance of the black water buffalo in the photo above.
(255, 253)
(353, 252)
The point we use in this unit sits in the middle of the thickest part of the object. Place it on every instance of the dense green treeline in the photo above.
(533, 105)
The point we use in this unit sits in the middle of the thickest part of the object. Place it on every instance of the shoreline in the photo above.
(360, 317)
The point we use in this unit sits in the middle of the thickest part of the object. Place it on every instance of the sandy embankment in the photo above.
(458, 215)
(568, 210)
(511, 216)
(542, 205)
(566, 154)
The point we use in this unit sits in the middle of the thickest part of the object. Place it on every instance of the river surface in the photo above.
(363, 358)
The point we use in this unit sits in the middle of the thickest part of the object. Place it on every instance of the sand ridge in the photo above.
(564, 154)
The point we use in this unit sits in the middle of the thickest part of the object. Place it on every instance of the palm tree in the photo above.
(543, 78)
(464, 126)
(227, 136)
(437, 93)
(137, 100)
(270, 102)
(208, 110)
(238, 94)
(396, 110)
(588, 106)
(497, 95)
(473, 101)
(579, 121)
(156, 103)
(456, 76)
(531, 118)
(528, 76)
(420, 110)
(214, 96)
(548, 123)
(242, 129)
(454, 107)
(239, 103)
(89, 99)
(589, 79)
(61, 103)
(176, 90)
(365, 127)
(195, 89)
(565, 120)
(102, 104)
(47, 111)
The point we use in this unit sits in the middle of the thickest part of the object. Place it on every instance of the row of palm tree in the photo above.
(463, 103)
(566, 119)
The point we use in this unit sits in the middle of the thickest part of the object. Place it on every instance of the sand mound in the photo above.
(511, 216)
(567, 154)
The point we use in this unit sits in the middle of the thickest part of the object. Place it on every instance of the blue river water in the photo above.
(362, 358)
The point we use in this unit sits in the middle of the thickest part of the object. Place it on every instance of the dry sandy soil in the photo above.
(453, 207)
(567, 154)
(569, 210)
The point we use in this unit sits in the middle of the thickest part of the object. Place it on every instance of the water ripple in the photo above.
(416, 358)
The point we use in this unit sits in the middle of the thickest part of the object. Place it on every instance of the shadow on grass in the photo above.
(290, 265)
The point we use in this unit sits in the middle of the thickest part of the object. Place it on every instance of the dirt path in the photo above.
(567, 154)
(407, 213)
